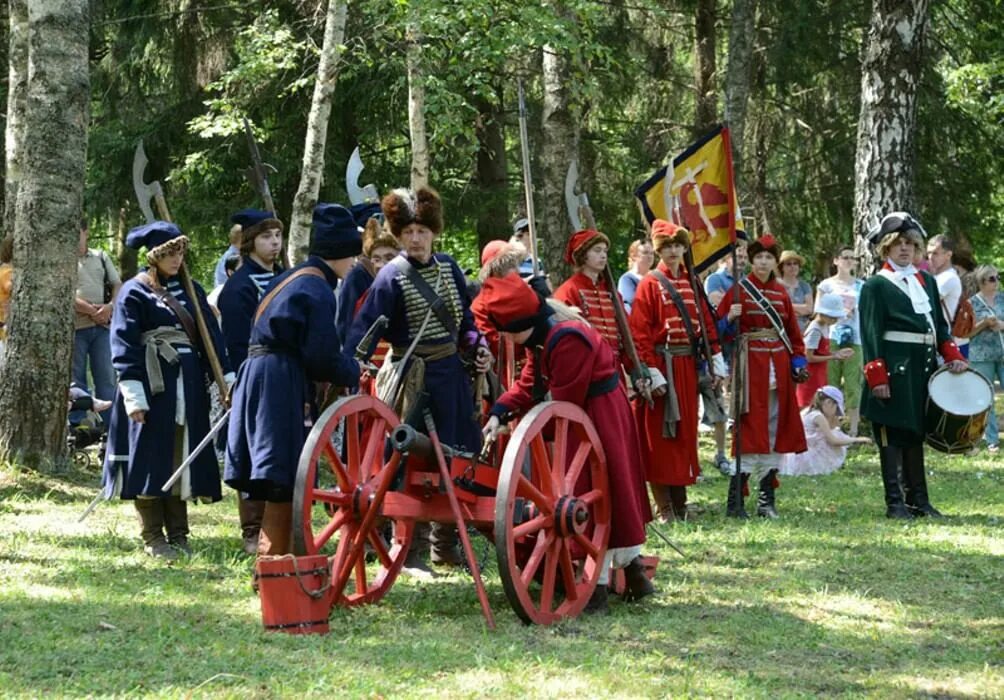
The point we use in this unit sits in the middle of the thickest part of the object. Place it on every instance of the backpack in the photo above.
(965, 318)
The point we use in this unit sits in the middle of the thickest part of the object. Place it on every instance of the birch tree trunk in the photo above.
(17, 85)
(317, 132)
(706, 99)
(416, 107)
(737, 79)
(892, 59)
(35, 378)
(559, 145)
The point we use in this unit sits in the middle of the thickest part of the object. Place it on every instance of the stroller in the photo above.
(88, 432)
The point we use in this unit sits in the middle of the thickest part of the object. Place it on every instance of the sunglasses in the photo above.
(992, 279)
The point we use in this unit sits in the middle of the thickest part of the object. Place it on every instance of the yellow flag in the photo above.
(698, 193)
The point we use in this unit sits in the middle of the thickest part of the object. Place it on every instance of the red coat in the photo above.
(654, 321)
(573, 356)
(754, 424)
(596, 303)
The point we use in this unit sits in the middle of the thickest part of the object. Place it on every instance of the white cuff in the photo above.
(718, 365)
(229, 378)
(658, 381)
(133, 396)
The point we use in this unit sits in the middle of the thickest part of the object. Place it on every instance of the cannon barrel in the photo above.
(405, 438)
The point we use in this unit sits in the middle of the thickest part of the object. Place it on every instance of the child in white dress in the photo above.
(827, 443)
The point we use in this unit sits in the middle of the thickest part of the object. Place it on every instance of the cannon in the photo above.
(544, 502)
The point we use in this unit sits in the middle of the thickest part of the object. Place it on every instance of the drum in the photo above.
(957, 409)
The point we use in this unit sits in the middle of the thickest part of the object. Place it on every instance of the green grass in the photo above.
(831, 600)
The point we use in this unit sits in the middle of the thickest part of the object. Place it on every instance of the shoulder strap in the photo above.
(187, 322)
(681, 306)
(436, 302)
(267, 299)
(768, 309)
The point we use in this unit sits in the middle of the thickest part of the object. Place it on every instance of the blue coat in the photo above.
(266, 431)
(353, 287)
(238, 300)
(145, 452)
(447, 384)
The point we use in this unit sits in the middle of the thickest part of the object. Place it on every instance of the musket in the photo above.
(144, 193)
(257, 173)
(579, 209)
(524, 145)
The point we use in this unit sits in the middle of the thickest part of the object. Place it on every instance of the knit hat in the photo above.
(830, 305)
(402, 207)
(254, 222)
(512, 305)
(765, 243)
(365, 211)
(666, 232)
(160, 238)
(580, 242)
(335, 235)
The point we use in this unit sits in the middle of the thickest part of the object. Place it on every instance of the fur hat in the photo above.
(500, 260)
(402, 207)
(580, 243)
(375, 235)
(765, 243)
(666, 232)
(160, 238)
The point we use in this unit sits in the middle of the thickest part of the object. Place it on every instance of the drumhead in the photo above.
(964, 394)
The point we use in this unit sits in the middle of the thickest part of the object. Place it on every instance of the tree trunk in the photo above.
(17, 86)
(317, 132)
(892, 60)
(36, 376)
(559, 145)
(706, 99)
(416, 109)
(493, 206)
(737, 79)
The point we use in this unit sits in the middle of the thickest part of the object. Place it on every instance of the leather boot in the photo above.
(445, 549)
(765, 498)
(915, 480)
(678, 499)
(663, 503)
(597, 604)
(735, 506)
(151, 520)
(276, 529)
(414, 564)
(889, 460)
(250, 513)
(176, 519)
(636, 584)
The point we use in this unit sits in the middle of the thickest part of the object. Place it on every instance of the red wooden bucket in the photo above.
(618, 584)
(295, 593)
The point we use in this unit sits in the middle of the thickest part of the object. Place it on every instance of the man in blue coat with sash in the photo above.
(294, 343)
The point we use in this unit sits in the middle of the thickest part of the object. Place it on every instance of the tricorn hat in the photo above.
(896, 222)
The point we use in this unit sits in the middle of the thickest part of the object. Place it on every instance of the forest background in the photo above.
(642, 79)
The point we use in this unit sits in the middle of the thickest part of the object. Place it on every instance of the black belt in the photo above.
(255, 350)
(603, 386)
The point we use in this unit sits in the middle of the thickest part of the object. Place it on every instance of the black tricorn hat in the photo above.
(893, 223)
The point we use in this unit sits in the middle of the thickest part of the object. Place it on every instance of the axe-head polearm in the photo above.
(257, 173)
(147, 192)
(365, 194)
(524, 143)
(577, 203)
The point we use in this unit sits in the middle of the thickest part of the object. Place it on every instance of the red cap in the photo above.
(582, 240)
(665, 232)
(491, 250)
(510, 302)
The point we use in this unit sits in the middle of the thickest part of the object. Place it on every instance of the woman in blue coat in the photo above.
(294, 343)
(161, 409)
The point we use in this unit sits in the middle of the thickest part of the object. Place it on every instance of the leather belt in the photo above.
(908, 337)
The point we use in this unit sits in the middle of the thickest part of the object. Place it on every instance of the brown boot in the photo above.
(250, 513)
(151, 519)
(276, 529)
(678, 497)
(445, 549)
(176, 519)
(414, 564)
(663, 503)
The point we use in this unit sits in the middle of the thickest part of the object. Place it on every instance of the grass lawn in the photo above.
(832, 599)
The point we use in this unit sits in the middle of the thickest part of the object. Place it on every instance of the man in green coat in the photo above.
(903, 331)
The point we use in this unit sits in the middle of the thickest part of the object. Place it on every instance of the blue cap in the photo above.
(251, 217)
(366, 211)
(336, 234)
(152, 235)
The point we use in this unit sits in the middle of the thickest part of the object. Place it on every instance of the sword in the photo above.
(196, 452)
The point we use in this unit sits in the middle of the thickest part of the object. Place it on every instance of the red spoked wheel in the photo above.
(552, 513)
(338, 495)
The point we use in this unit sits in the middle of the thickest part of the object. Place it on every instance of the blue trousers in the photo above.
(91, 344)
(992, 371)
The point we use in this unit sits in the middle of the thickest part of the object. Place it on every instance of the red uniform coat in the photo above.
(654, 321)
(595, 301)
(754, 423)
(574, 356)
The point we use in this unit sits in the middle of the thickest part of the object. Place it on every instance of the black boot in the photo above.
(414, 563)
(889, 460)
(597, 604)
(151, 518)
(765, 499)
(636, 584)
(250, 514)
(176, 521)
(735, 506)
(445, 550)
(915, 480)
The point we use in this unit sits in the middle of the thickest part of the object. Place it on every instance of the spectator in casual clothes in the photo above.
(521, 235)
(720, 282)
(799, 290)
(986, 346)
(232, 263)
(846, 333)
(940, 250)
(220, 271)
(828, 310)
(97, 284)
(640, 258)
(6, 286)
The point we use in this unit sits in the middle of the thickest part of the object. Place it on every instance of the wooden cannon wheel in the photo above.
(337, 500)
(552, 513)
